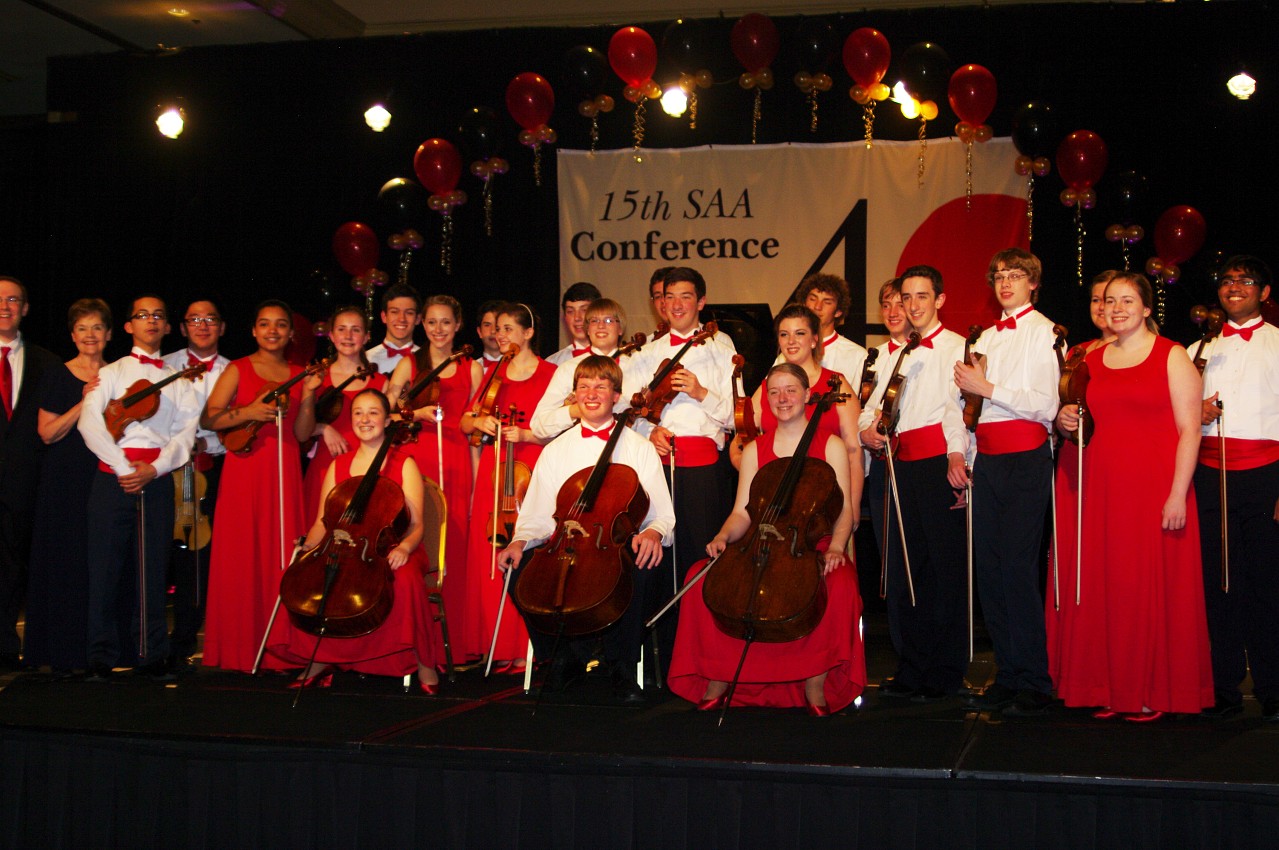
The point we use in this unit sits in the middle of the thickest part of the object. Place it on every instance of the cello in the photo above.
(142, 400)
(581, 581)
(239, 438)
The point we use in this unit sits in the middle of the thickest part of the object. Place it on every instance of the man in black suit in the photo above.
(21, 450)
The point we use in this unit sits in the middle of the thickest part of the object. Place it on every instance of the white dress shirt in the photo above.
(179, 360)
(712, 363)
(385, 362)
(929, 395)
(551, 417)
(1022, 364)
(17, 358)
(1247, 376)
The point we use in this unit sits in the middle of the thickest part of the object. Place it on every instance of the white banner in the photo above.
(754, 220)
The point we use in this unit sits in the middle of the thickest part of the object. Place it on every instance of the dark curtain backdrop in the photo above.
(276, 155)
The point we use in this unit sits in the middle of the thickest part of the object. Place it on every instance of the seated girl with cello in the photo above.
(406, 640)
(823, 670)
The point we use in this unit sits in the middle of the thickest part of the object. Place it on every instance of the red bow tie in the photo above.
(1010, 323)
(192, 360)
(601, 433)
(149, 361)
(680, 340)
(893, 346)
(399, 352)
(927, 342)
(1243, 333)
(577, 351)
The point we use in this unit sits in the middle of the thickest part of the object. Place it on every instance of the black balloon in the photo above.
(684, 45)
(478, 133)
(586, 71)
(402, 202)
(1130, 191)
(1035, 130)
(926, 70)
(816, 44)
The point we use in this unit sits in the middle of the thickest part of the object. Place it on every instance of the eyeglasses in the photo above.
(1011, 277)
(1241, 281)
(197, 321)
(12, 300)
(143, 315)
(603, 320)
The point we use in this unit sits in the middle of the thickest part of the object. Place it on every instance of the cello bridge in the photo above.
(572, 528)
(769, 532)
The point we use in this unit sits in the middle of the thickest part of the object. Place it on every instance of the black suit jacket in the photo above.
(21, 448)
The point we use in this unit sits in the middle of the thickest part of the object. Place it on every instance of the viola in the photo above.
(652, 400)
(581, 581)
(743, 409)
(514, 476)
(891, 399)
(867, 385)
(426, 390)
(768, 585)
(486, 398)
(328, 407)
(191, 526)
(972, 401)
(141, 400)
(239, 438)
(1072, 387)
(1210, 320)
(637, 342)
(344, 587)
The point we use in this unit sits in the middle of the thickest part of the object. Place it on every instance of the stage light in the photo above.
(674, 101)
(171, 121)
(1241, 85)
(377, 118)
(910, 106)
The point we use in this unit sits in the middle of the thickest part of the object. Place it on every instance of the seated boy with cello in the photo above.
(552, 517)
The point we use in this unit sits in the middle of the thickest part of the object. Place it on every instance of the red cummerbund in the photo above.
(693, 451)
(1009, 436)
(145, 455)
(921, 443)
(1240, 454)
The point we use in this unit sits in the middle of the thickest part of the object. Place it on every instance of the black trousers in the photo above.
(1243, 624)
(189, 575)
(886, 531)
(112, 562)
(934, 631)
(1010, 503)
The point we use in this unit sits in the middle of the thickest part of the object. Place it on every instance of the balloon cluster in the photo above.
(755, 43)
(1034, 135)
(586, 72)
(356, 247)
(1081, 159)
(972, 94)
(924, 68)
(1130, 188)
(685, 44)
(478, 135)
(530, 100)
(632, 54)
(439, 166)
(817, 44)
(1179, 234)
(866, 57)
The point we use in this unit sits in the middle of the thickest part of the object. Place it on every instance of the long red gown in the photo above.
(244, 571)
(408, 635)
(483, 592)
(1142, 604)
(313, 482)
(774, 673)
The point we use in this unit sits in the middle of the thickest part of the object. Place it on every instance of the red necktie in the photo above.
(601, 433)
(149, 361)
(398, 352)
(1227, 330)
(192, 360)
(577, 351)
(6, 382)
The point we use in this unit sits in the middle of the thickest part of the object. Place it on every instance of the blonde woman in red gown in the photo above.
(248, 553)
(823, 671)
(406, 641)
(349, 334)
(524, 380)
(458, 382)
(1142, 585)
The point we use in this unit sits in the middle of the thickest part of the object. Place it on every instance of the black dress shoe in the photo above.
(1028, 703)
(1270, 710)
(99, 673)
(625, 690)
(1222, 709)
(929, 694)
(564, 674)
(994, 698)
(156, 671)
(891, 687)
(182, 665)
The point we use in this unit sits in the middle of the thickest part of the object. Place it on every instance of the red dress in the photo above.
(484, 592)
(829, 423)
(313, 482)
(774, 673)
(1142, 631)
(392, 649)
(244, 570)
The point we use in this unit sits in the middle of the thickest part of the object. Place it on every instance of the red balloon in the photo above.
(1179, 233)
(866, 56)
(972, 94)
(530, 100)
(437, 165)
(356, 247)
(632, 53)
(1081, 159)
(755, 41)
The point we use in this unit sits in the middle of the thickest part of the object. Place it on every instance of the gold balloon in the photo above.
(983, 133)
(928, 110)
(764, 78)
(746, 80)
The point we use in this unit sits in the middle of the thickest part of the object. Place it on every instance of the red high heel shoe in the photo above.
(429, 690)
(1145, 717)
(319, 680)
(816, 710)
(1105, 714)
(713, 703)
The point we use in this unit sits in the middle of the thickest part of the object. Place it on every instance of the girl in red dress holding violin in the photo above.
(248, 550)
(524, 378)
(823, 671)
(406, 641)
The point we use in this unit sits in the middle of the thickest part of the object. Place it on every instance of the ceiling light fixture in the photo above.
(377, 117)
(1241, 85)
(171, 121)
(674, 101)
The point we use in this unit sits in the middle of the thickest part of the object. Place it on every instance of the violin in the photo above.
(581, 581)
(239, 438)
(1211, 321)
(637, 342)
(743, 409)
(514, 476)
(344, 587)
(868, 377)
(486, 398)
(768, 585)
(426, 390)
(191, 526)
(328, 407)
(890, 401)
(141, 400)
(1072, 388)
(972, 401)
(663, 328)
(652, 400)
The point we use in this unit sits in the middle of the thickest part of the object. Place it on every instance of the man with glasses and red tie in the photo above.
(202, 327)
(21, 449)
(401, 313)
(1241, 437)
(131, 510)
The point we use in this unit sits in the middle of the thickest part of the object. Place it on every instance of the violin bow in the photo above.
(685, 589)
(439, 470)
(1225, 524)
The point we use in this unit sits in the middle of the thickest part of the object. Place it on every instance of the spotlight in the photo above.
(910, 106)
(377, 117)
(674, 101)
(1241, 85)
(171, 121)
